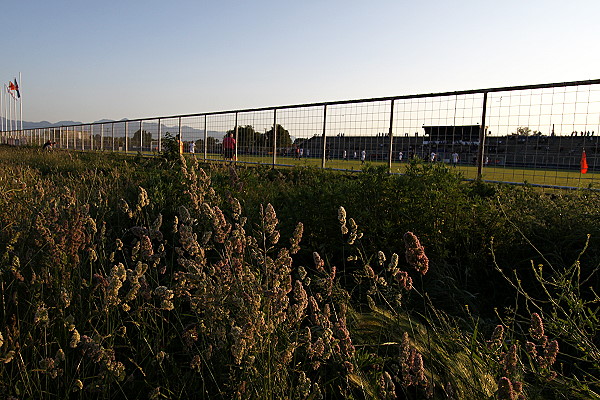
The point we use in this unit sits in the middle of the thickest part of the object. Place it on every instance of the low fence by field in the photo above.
(539, 134)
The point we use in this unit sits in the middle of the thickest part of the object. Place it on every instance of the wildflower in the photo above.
(143, 199)
(386, 386)
(497, 336)
(296, 237)
(505, 389)
(342, 219)
(9, 357)
(75, 338)
(537, 327)
(167, 305)
(303, 385)
(69, 323)
(550, 353)
(510, 360)
(238, 347)
(415, 253)
(369, 272)
(393, 262)
(77, 385)
(418, 370)
(531, 349)
(302, 272)
(41, 315)
(65, 297)
(354, 235)
(146, 249)
(381, 257)
(60, 356)
(319, 263)
(124, 207)
(236, 208)
(403, 278)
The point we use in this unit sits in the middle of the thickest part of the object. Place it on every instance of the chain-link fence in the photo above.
(544, 135)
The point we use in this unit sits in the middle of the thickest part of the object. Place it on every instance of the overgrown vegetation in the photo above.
(158, 278)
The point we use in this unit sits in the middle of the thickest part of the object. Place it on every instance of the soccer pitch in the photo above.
(533, 176)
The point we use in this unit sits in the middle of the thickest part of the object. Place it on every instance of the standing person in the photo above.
(454, 159)
(345, 155)
(432, 156)
(355, 156)
(363, 156)
(327, 153)
(192, 147)
(301, 152)
(229, 146)
(400, 155)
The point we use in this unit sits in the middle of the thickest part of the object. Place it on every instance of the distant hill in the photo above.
(153, 127)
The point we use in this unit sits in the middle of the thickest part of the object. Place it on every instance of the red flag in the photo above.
(583, 163)
(10, 89)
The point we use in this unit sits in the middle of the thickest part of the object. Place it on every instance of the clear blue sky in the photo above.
(87, 60)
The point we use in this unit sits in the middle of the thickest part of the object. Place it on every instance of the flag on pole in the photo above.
(10, 88)
(583, 163)
(17, 88)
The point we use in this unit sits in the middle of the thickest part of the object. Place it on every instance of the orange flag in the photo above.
(583, 163)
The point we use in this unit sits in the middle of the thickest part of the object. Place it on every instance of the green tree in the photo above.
(145, 136)
(523, 131)
(212, 145)
(283, 137)
(247, 138)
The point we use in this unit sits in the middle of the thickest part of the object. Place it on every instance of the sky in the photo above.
(86, 60)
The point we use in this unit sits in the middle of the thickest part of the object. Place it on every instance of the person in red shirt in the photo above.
(229, 146)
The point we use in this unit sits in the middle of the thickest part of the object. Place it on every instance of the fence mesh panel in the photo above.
(545, 135)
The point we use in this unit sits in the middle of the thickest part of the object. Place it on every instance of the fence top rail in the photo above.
(342, 102)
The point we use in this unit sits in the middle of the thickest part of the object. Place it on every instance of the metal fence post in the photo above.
(112, 132)
(141, 137)
(235, 155)
(324, 149)
(274, 137)
(482, 131)
(180, 139)
(391, 135)
(159, 138)
(205, 141)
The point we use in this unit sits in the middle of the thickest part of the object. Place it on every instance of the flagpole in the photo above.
(2, 114)
(10, 112)
(21, 101)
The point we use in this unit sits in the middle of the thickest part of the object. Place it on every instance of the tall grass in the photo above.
(129, 278)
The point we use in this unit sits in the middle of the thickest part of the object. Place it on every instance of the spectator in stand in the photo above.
(229, 146)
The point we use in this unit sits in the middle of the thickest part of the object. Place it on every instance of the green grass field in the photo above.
(533, 176)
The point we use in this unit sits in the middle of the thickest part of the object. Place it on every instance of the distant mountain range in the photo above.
(152, 127)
